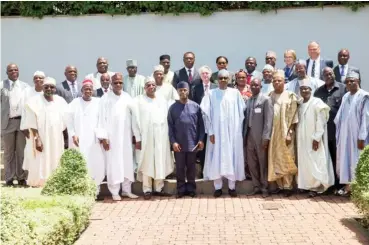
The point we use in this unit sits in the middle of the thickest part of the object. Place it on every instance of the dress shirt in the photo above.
(73, 88)
(15, 97)
(206, 92)
(345, 70)
(192, 71)
(317, 67)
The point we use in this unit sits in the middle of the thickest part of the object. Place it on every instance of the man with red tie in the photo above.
(252, 73)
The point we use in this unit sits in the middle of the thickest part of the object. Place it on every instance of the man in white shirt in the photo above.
(14, 141)
(315, 64)
(102, 66)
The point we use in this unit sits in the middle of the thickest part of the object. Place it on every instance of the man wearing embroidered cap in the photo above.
(352, 130)
(45, 116)
(168, 74)
(133, 83)
(271, 59)
(166, 90)
(82, 119)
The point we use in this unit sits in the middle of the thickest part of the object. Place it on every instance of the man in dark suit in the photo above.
(105, 85)
(188, 73)
(315, 64)
(343, 68)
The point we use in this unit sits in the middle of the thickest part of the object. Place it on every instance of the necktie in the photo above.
(342, 70)
(189, 76)
(248, 81)
(206, 88)
(106, 90)
(313, 70)
(73, 90)
(287, 72)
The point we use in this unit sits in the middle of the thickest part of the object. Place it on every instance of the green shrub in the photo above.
(71, 177)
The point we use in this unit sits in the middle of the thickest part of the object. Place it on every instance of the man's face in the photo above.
(102, 65)
(158, 76)
(189, 60)
(183, 93)
(132, 71)
(301, 71)
(352, 84)
(267, 75)
(343, 57)
(13, 72)
(255, 86)
(87, 91)
(38, 81)
(49, 89)
(223, 81)
(205, 76)
(328, 76)
(270, 60)
(250, 65)
(278, 84)
(313, 50)
(71, 73)
(117, 83)
(105, 80)
(305, 92)
(150, 88)
(165, 63)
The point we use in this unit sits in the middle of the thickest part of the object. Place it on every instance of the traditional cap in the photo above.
(353, 74)
(306, 83)
(87, 82)
(39, 73)
(268, 67)
(271, 54)
(223, 73)
(164, 57)
(149, 79)
(279, 73)
(159, 68)
(131, 63)
(183, 85)
(49, 81)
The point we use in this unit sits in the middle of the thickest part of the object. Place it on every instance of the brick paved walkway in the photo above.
(244, 220)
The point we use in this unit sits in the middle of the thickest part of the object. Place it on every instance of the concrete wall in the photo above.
(52, 43)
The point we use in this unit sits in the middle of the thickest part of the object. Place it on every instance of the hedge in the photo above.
(41, 9)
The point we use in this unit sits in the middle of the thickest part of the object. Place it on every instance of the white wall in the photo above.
(52, 43)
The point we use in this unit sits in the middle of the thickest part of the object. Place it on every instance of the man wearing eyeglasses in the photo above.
(271, 58)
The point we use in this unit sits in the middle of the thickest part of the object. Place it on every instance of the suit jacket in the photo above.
(262, 119)
(63, 90)
(292, 75)
(323, 64)
(198, 92)
(5, 106)
(181, 75)
(99, 92)
(337, 72)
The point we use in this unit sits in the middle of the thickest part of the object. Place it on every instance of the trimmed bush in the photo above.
(71, 177)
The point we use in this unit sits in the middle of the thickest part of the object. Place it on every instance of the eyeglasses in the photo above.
(221, 63)
(116, 83)
(269, 58)
(49, 86)
(223, 78)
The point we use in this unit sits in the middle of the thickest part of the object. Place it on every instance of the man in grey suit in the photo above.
(250, 65)
(188, 73)
(14, 141)
(316, 64)
(258, 130)
(343, 68)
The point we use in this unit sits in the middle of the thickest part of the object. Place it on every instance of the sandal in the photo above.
(343, 193)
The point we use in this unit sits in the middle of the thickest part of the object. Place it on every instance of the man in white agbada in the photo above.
(29, 150)
(117, 122)
(45, 117)
(102, 66)
(294, 85)
(352, 130)
(82, 118)
(223, 110)
(133, 83)
(315, 169)
(154, 160)
(166, 90)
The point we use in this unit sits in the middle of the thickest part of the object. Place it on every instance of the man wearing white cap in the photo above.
(267, 82)
(133, 83)
(154, 158)
(29, 156)
(352, 130)
(102, 66)
(45, 116)
(271, 59)
(166, 90)
(315, 170)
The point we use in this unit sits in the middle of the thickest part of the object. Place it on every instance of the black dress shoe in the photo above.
(265, 194)
(232, 193)
(147, 195)
(22, 183)
(9, 183)
(161, 194)
(192, 194)
(287, 193)
(180, 195)
(218, 193)
(276, 191)
(254, 192)
(99, 198)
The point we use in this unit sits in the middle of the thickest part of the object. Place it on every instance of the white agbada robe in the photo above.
(95, 78)
(154, 158)
(117, 123)
(29, 149)
(352, 124)
(50, 121)
(223, 113)
(82, 122)
(167, 78)
(168, 92)
(315, 169)
(134, 86)
(266, 88)
(294, 85)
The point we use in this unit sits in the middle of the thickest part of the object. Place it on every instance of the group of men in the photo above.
(306, 130)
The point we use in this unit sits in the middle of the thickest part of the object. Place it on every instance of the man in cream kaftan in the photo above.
(45, 116)
(29, 150)
(223, 112)
(315, 170)
(133, 83)
(154, 159)
(82, 123)
(166, 90)
(102, 66)
(117, 121)
(352, 129)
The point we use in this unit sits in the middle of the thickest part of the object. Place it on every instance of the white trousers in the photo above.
(126, 187)
(147, 184)
(218, 184)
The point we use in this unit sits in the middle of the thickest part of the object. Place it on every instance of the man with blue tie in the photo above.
(341, 70)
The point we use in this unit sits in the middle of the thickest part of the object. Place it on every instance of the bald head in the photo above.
(117, 76)
(328, 76)
(255, 86)
(314, 50)
(102, 65)
(71, 73)
(343, 56)
(250, 64)
(12, 71)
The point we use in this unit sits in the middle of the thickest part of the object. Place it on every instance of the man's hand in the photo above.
(39, 145)
(315, 145)
(200, 145)
(176, 147)
(265, 144)
(360, 144)
(26, 133)
(288, 139)
(138, 145)
(75, 140)
(106, 144)
(212, 139)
